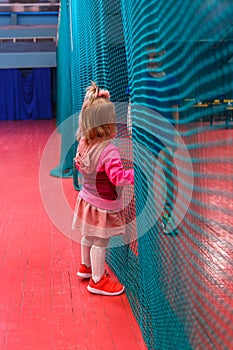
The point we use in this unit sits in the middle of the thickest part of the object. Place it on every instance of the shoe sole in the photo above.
(84, 275)
(101, 292)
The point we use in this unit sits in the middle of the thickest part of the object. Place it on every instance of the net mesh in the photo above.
(179, 284)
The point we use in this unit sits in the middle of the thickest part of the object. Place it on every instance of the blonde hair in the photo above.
(97, 120)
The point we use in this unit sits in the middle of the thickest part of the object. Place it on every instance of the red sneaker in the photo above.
(105, 286)
(84, 272)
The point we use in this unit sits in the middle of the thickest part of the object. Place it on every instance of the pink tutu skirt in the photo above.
(89, 220)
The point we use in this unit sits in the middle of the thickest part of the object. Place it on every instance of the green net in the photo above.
(64, 93)
(178, 279)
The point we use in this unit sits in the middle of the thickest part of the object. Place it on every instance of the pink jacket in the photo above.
(104, 175)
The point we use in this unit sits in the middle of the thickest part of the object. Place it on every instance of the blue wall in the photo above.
(28, 18)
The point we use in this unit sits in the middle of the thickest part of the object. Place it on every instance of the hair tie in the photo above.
(104, 93)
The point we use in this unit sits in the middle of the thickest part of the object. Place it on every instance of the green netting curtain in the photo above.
(179, 286)
(64, 92)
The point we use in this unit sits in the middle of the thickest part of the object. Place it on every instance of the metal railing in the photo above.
(29, 7)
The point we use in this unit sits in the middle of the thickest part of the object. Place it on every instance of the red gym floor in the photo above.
(43, 305)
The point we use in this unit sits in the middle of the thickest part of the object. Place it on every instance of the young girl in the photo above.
(98, 213)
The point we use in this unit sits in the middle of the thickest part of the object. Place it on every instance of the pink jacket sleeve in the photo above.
(112, 164)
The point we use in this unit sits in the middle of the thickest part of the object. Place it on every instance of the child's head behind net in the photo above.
(97, 120)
